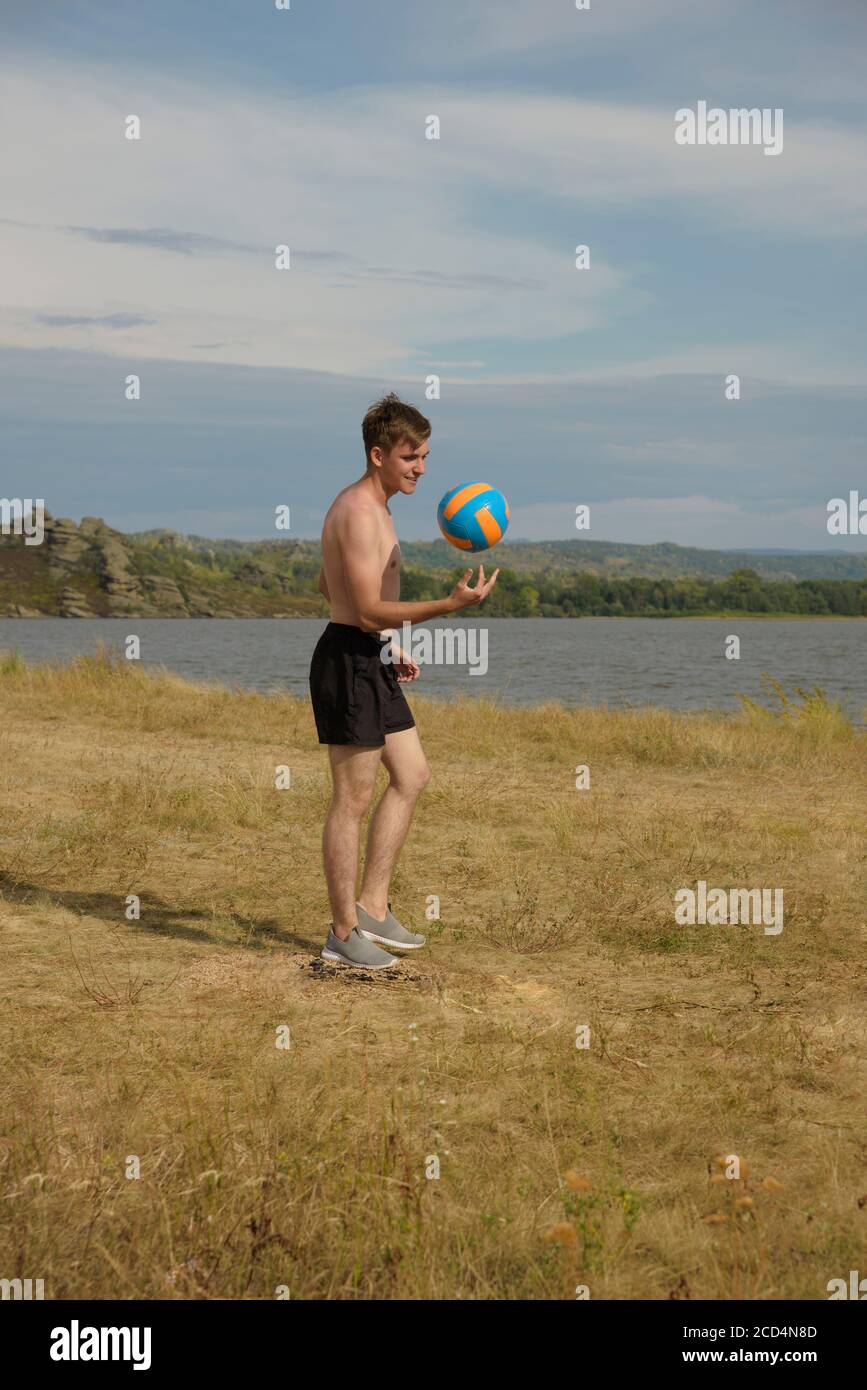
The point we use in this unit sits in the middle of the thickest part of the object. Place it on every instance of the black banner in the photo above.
(70, 1338)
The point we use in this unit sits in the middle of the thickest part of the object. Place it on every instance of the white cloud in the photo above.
(762, 367)
(460, 33)
(693, 520)
(390, 260)
(348, 182)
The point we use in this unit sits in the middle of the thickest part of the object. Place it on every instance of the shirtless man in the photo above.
(360, 710)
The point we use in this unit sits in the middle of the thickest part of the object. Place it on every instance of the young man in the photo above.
(360, 710)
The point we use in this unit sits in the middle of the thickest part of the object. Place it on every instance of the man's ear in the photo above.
(375, 458)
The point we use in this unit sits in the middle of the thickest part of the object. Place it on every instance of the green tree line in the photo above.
(590, 595)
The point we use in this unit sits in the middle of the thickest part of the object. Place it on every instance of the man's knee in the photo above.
(412, 781)
(354, 801)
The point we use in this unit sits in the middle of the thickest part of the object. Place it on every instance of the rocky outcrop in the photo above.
(200, 605)
(252, 572)
(66, 545)
(166, 595)
(121, 585)
(74, 605)
(18, 610)
(95, 526)
(90, 570)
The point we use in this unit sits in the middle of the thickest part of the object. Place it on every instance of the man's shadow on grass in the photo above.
(156, 916)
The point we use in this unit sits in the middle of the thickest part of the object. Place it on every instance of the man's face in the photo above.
(401, 469)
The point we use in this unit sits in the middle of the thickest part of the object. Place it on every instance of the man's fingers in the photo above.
(482, 586)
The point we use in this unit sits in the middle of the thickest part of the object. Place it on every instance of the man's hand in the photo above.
(404, 667)
(464, 596)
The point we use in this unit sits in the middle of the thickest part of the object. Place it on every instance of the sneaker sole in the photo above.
(352, 964)
(395, 945)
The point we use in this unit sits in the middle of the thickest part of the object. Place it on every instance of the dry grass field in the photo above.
(304, 1168)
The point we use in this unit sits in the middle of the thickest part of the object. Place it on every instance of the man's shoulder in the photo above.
(354, 507)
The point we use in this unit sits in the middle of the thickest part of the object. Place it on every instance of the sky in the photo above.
(413, 257)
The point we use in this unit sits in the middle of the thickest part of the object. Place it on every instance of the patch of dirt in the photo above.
(323, 970)
(221, 972)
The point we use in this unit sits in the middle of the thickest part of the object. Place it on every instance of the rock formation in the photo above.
(66, 545)
(74, 605)
(91, 570)
(166, 595)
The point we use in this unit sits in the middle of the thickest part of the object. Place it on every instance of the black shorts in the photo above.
(356, 697)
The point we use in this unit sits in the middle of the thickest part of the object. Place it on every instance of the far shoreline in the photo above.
(729, 615)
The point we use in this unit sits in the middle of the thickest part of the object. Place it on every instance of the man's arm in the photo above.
(359, 549)
(323, 583)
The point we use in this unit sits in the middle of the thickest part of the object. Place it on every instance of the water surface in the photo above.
(616, 661)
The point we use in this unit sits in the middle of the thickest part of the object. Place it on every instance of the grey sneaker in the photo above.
(389, 932)
(357, 951)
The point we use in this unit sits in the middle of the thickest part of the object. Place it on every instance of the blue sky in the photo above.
(455, 257)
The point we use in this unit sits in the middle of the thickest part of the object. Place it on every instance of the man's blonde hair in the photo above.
(390, 421)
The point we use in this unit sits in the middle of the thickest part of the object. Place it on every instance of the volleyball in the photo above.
(473, 516)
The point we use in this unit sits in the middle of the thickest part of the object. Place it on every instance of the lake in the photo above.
(617, 661)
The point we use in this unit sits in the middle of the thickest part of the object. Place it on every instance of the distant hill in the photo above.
(92, 569)
(663, 560)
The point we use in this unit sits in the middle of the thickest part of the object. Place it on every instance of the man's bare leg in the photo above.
(408, 771)
(353, 776)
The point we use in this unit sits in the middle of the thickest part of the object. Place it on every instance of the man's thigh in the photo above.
(353, 770)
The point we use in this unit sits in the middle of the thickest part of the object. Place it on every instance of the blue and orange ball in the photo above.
(473, 516)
